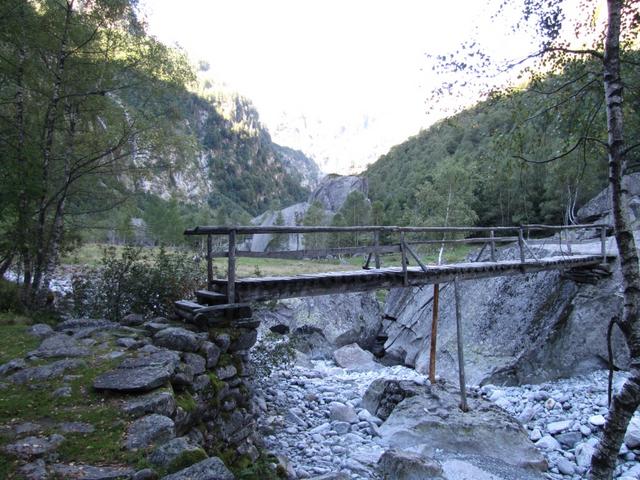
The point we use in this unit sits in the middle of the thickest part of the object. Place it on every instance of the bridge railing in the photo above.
(489, 237)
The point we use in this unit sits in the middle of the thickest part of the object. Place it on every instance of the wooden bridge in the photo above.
(236, 293)
(551, 248)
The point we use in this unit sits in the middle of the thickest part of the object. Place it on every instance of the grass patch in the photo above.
(37, 403)
(14, 340)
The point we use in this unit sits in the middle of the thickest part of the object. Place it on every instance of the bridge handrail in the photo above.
(403, 247)
(271, 229)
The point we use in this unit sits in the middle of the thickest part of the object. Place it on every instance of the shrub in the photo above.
(272, 352)
(9, 296)
(135, 281)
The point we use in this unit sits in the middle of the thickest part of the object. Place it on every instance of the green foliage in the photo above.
(479, 153)
(356, 210)
(279, 241)
(186, 459)
(186, 401)
(9, 296)
(272, 352)
(315, 216)
(134, 282)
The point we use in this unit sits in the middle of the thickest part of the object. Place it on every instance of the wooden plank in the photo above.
(187, 305)
(211, 298)
(252, 230)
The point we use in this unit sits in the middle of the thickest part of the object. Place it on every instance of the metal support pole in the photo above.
(434, 333)
(231, 268)
(463, 386)
(603, 243)
(403, 251)
(376, 244)
(493, 246)
(209, 262)
(521, 243)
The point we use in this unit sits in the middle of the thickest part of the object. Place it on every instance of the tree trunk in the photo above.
(41, 250)
(626, 402)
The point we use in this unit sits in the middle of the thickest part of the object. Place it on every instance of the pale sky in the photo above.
(354, 69)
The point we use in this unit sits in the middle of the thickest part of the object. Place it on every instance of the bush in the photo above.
(136, 282)
(9, 296)
(272, 352)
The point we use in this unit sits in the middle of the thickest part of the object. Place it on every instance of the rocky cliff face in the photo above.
(231, 161)
(521, 329)
(332, 192)
(598, 209)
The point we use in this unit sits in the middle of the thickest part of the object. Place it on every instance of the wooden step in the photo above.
(211, 298)
(188, 306)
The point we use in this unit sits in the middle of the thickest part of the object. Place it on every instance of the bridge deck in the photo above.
(272, 288)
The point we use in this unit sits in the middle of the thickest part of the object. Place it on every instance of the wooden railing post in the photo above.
(209, 262)
(603, 243)
(463, 383)
(493, 246)
(434, 333)
(403, 252)
(231, 268)
(376, 245)
(521, 243)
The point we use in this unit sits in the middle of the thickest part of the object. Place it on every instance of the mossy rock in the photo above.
(186, 459)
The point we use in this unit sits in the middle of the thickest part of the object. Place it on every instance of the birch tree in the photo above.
(607, 43)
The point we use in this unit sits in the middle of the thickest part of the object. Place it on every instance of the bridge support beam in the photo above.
(463, 385)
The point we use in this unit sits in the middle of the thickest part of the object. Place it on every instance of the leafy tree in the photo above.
(356, 210)
(315, 216)
(609, 52)
(279, 241)
(84, 100)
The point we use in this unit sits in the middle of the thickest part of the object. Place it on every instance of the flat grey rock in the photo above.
(60, 345)
(166, 453)
(434, 421)
(401, 465)
(150, 430)
(89, 472)
(40, 330)
(197, 362)
(156, 358)
(352, 357)
(133, 320)
(12, 366)
(209, 469)
(35, 470)
(45, 372)
(76, 427)
(162, 403)
(140, 379)
(176, 338)
(30, 447)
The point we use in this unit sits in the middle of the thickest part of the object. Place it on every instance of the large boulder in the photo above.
(209, 469)
(150, 430)
(339, 320)
(598, 209)
(334, 190)
(352, 357)
(432, 422)
(525, 329)
(60, 345)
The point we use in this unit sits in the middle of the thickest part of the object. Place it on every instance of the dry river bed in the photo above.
(313, 419)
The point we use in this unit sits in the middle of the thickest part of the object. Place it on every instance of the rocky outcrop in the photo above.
(334, 190)
(319, 325)
(522, 329)
(598, 209)
(331, 193)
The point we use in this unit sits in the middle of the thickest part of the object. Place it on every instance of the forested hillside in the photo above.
(103, 138)
(490, 164)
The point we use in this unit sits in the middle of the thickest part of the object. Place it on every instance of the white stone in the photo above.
(584, 452)
(548, 443)
(596, 420)
(558, 427)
